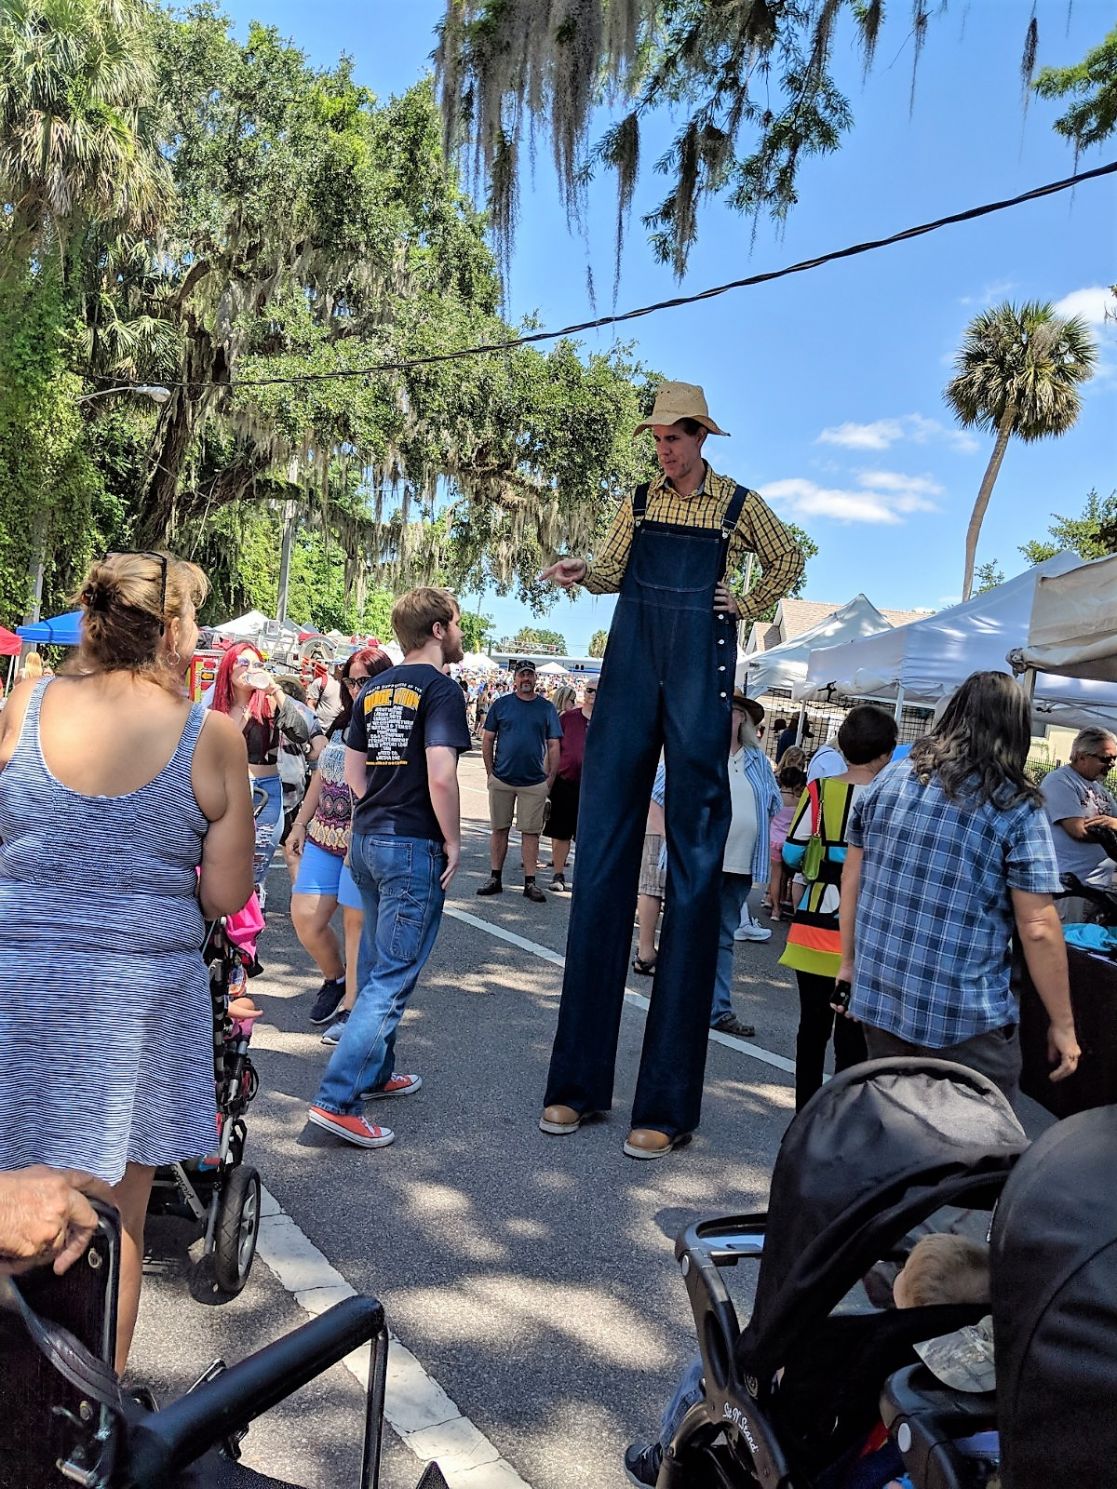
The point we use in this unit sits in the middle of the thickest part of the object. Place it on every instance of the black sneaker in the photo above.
(731, 1024)
(494, 886)
(641, 1463)
(329, 996)
(533, 892)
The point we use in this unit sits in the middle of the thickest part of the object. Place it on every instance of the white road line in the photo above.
(637, 1000)
(415, 1405)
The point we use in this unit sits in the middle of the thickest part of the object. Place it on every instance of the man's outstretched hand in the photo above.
(566, 572)
(45, 1216)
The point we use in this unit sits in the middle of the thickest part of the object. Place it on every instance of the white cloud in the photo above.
(915, 429)
(995, 291)
(1091, 304)
(880, 497)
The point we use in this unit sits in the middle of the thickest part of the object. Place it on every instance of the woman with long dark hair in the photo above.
(949, 852)
(125, 818)
(320, 839)
(262, 711)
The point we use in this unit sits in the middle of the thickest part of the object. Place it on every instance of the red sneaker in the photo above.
(354, 1130)
(399, 1085)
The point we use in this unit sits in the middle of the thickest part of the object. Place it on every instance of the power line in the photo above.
(534, 337)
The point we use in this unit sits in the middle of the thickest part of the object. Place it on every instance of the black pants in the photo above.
(816, 1024)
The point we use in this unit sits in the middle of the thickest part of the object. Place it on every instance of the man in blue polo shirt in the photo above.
(520, 745)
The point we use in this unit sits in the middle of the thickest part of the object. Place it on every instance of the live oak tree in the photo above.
(226, 220)
(751, 82)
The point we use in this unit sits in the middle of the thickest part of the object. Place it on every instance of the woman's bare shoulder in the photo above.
(221, 736)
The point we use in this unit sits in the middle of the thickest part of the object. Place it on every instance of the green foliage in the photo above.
(232, 215)
(535, 639)
(1092, 84)
(598, 642)
(1092, 534)
(477, 630)
(50, 496)
(987, 576)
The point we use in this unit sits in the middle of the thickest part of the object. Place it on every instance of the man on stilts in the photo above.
(666, 683)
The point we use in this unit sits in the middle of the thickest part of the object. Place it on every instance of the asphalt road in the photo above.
(533, 1277)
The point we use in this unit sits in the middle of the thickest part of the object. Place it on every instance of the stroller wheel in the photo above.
(238, 1225)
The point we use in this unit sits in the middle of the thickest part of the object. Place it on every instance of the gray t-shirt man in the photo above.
(1067, 794)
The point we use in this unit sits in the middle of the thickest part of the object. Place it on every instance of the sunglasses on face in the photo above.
(1107, 759)
(355, 679)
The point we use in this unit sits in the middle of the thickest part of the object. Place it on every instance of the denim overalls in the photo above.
(666, 681)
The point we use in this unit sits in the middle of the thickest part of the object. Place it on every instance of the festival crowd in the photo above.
(905, 878)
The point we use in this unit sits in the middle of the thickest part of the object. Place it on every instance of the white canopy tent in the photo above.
(786, 666)
(1073, 627)
(477, 661)
(551, 669)
(926, 660)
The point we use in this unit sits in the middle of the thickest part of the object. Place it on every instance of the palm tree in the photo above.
(76, 83)
(1019, 372)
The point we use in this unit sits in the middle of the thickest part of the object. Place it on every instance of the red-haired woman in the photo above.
(320, 836)
(261, 710)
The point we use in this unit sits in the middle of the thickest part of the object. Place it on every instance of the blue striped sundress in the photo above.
(105, 1018)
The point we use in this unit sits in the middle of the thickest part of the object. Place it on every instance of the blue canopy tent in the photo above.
(61, 630)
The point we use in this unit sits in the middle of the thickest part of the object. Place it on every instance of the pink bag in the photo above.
(243, 927)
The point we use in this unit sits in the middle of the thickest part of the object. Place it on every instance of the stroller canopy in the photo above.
(1054, 1268)
(878, 1149)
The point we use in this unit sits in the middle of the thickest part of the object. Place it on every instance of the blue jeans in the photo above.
(734, 892)
(688, 1393)
(269, 827)
(399, 883)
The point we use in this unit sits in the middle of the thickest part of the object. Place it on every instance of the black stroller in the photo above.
(791, 1399)
(66, 1419)
(220, 1191)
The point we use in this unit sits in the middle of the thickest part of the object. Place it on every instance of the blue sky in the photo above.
(831, 382)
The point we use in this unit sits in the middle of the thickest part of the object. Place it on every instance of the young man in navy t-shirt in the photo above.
(401, 763)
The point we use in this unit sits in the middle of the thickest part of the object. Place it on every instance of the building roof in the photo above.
(794, 616)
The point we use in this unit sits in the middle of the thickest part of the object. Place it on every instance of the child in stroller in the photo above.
(790, 1401)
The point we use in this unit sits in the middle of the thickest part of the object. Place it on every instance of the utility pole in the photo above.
(290, 522)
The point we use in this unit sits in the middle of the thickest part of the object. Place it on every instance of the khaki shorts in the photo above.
(651, 876)
(529, 803)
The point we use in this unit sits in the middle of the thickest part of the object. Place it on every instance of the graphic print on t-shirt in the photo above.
(390, 714)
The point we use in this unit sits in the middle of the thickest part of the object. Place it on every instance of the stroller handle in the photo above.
(165, 1441)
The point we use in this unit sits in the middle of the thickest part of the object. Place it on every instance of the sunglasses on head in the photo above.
(158, 558)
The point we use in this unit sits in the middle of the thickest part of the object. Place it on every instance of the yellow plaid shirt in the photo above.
(758, 531)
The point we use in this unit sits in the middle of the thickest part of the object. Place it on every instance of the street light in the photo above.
(155, 391)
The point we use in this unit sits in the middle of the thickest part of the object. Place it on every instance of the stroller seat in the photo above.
(948, 1438)
(792, 1397)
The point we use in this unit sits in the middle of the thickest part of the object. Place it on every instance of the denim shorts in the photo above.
(325, 873)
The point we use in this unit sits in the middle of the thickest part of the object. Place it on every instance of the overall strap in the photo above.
(639, 504)
(733, 511)
(729, 522)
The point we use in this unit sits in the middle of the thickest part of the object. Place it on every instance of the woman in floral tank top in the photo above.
(320, 839)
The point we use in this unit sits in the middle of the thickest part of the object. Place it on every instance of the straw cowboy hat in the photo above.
(675, 401)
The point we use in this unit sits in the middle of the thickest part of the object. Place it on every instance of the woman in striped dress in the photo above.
(114, 790)
(814, 946)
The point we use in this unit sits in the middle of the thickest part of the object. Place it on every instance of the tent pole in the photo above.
(802, 721)
(1028, 683)
(899, 709)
